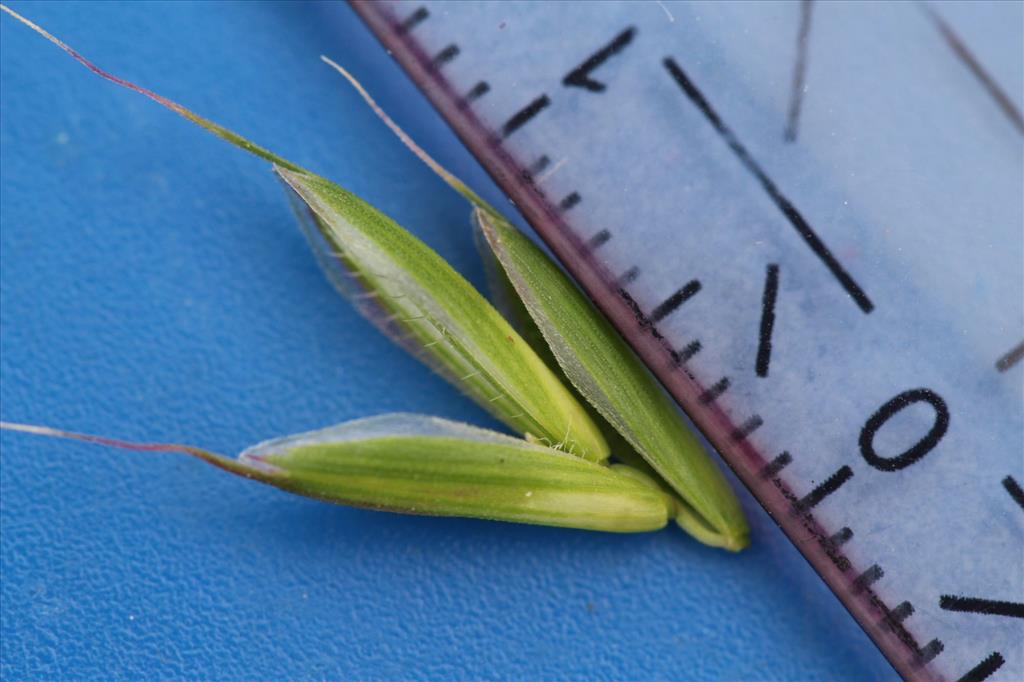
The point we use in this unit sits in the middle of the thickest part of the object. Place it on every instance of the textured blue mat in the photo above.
(153, 286)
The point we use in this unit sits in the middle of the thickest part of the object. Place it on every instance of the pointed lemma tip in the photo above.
(737, 543)
(483, 220)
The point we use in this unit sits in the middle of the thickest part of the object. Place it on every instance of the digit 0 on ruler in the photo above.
(823, 264)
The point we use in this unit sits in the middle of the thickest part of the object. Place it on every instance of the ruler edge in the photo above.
(745, 461)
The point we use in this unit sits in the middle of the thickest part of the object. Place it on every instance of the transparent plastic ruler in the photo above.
(808, 219)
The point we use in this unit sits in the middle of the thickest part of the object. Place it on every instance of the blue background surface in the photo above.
(154, 287)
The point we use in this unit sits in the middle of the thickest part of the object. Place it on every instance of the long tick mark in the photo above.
(794, 216)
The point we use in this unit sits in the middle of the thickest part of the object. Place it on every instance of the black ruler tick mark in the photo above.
(629, 276)
(746, 428)
(841, 537)
(569, 201)
(523, 116)
(681, 357)
(598, 240)
(796, 95)
(829, 486)
(774, 467)
(961, 50)
(930, 651)
(1014, 489)
(537, 167)
(666, 307)
(477, 91)
(894, 617)
(832, 544)
(983, 670)
(764, 344)
(712, 394)
(788, 210)
(412, 20)
(990, 607)
(1011, 358)
(867, 578)
(446, 55)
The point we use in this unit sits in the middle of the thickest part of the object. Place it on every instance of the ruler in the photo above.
(807, 218)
